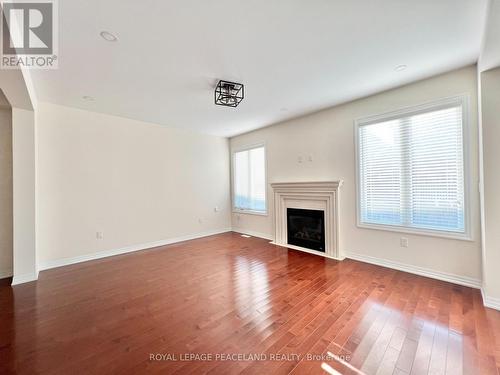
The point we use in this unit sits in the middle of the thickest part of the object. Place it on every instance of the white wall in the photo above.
(23, 165)
(135, 182)
(6, 248)
(490, 98)
(328, 136)
(17, 95)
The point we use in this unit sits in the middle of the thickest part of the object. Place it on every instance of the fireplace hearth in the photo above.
(306, 228)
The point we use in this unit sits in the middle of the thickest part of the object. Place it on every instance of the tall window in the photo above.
(249, 184)
(411, 169)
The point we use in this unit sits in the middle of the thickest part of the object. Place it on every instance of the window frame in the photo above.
(248, 147)
(464, 101)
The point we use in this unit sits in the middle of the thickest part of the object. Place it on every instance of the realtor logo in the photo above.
(29, 35)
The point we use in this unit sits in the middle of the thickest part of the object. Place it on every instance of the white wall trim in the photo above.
(24, 278)
(45, 265)
(439, 275)
(491, 302)
(5, 273)
(265, 236)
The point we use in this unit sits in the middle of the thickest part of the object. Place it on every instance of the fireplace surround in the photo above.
(316, 196)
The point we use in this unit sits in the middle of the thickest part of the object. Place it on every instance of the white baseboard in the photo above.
(491, 302)
(5, 273)
(24, 278)
(45, 265)
(254, 234)
(452, 278)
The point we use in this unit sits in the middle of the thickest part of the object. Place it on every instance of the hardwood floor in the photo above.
(231, 295)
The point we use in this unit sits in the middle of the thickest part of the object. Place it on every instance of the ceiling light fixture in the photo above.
(107, 36)
(88, 98)
(229, 94)
(400, 68)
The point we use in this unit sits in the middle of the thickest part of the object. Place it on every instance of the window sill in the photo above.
(249, 212)
(419, 232)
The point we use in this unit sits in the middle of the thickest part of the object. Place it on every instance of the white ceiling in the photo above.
(490, 52)
(294, 56)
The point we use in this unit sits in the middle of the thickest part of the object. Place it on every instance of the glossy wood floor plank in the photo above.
(230, 295)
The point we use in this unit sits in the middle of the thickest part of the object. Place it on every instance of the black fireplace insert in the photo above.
(306, 228)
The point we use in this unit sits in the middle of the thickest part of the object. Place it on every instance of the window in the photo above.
(249, 180)
(411, 174)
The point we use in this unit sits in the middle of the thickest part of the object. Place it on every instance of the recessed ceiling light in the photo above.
(400, 68)
(107, 36)
(88, 98)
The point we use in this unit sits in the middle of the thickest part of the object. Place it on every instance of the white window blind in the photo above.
(411, 169)
(250, 179)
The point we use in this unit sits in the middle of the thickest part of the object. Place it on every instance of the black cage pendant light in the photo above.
(229, 94)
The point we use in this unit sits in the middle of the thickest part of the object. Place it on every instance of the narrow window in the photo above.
(249, 180)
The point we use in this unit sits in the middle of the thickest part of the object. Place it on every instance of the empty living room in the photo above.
(250, 187)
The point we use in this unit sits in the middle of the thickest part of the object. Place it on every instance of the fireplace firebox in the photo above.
(306, 228)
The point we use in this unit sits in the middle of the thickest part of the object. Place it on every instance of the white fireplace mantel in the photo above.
(322, 195)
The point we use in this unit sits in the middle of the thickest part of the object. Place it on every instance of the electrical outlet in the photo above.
(300, 159)
(216, 209)
(403, 242)
(99, 235)
(200, 220)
